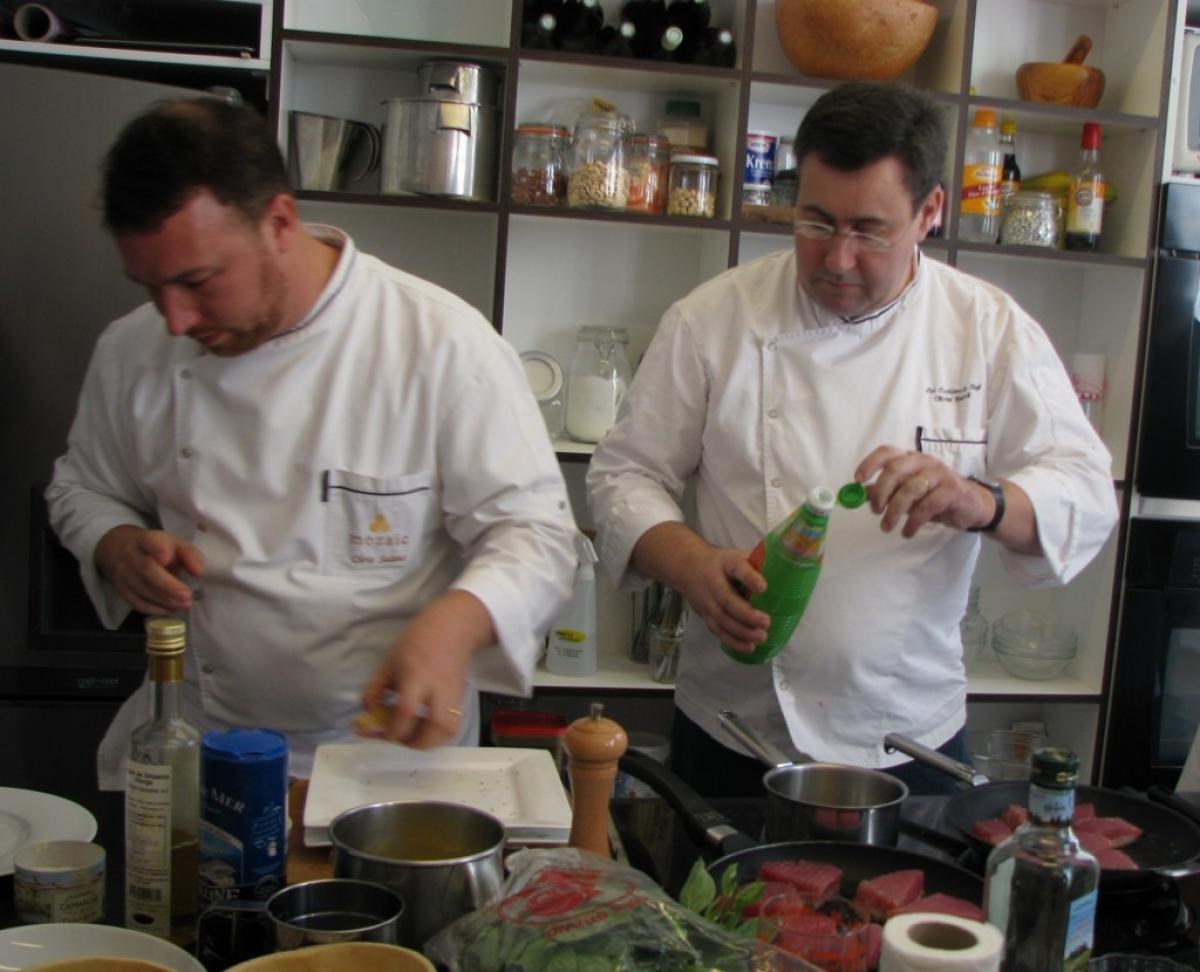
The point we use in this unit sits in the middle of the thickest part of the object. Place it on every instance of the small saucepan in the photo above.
(809, 800)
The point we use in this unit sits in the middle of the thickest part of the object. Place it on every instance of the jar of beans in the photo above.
(693, 189)
(1032, 219)
(649, 168)
(539, 165)
(599, 172)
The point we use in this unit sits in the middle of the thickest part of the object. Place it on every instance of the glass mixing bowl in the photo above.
(1003, 754)
(1033, 646)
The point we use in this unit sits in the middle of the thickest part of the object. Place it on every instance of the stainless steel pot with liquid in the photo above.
(443, 142)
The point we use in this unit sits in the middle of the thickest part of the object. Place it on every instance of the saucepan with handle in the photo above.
(1168, 846)
(810, 800)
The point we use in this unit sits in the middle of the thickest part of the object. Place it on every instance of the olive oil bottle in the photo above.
(162, 799)
(1040, 886)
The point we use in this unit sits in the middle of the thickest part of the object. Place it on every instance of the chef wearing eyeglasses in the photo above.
(849, 357)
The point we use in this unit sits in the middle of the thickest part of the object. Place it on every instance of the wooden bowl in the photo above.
(1060, 83)
(866, 39)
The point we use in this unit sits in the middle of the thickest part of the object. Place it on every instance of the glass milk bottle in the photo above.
(600, 374)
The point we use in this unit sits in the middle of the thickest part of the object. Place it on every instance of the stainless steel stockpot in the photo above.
(458, 81)
(439, 147)
(443, 859)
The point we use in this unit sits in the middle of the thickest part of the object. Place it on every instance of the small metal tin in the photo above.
(59, 880)
(243, 814)
(760, 159)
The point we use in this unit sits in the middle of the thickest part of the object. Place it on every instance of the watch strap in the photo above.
(998, 497)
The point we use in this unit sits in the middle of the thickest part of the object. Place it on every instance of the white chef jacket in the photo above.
(756, 395)
(336, 479)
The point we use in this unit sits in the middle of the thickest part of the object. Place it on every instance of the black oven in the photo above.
(1156, 679)
(67, 653)
(1168, 461)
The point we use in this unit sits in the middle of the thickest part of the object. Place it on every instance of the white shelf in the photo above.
(168, 59)
(986, 677)
(616, 671)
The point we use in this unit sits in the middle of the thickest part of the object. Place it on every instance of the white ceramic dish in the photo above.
(27, 946)
(29, 817)
(521, 787)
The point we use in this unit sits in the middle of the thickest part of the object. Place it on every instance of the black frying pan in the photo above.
(709, 828)
(1169, 844)
(1169, 841)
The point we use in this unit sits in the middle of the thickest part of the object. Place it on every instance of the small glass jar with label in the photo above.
(649, 169)
(599, 171)
(693, 189)
(600, 374)
(540, 164)
(1031, 219)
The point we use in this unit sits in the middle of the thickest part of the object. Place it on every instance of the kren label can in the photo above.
(760, 159)
(243, 814)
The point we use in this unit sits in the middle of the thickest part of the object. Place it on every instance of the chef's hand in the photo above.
(717, 582)
(426, 671)
(919, 488)
(144, 566)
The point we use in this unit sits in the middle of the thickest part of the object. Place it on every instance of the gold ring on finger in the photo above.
(454, 712)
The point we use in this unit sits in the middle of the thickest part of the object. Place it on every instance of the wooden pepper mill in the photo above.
(594, 744)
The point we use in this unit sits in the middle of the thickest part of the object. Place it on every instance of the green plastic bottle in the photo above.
(789, 558)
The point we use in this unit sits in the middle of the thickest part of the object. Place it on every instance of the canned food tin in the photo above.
(59, 880)
(760, 158)
(243, 814)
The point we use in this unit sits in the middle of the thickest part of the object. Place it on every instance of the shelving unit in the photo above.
(540, 274)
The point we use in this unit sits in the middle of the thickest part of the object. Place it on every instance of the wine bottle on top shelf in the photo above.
(717, 49)
(579, 26)
(533, 10)
(668, 45)
(618, 41)
(650, 19)
(539, 36)
(693, 18)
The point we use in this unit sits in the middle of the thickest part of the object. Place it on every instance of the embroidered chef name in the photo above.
(940, 393)
(378, 544)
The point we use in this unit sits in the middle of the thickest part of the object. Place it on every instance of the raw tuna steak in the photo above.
(874, 944)
(1118, 832)
(812, 879)
(1112, 859)
(1015, 815)
(880, 896)
(994, 831)
(942, 904)
(1084, 811)
(771, 889)
(1093, 842)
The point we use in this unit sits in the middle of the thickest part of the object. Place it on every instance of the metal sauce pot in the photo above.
(443, 859)
(808, 800)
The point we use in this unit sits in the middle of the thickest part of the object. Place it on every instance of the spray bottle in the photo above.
(789, 558)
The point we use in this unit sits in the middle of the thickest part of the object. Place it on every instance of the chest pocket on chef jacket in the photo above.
(375, 523)
(963, 450)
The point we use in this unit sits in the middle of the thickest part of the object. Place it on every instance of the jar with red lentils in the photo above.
(649, 161)
(540, 163)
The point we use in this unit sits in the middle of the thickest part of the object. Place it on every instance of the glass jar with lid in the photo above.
(599, 376)
(1032, 219)
(540, 163)
(599, 173)
(683, 127)
(693, 189)
(649, 169)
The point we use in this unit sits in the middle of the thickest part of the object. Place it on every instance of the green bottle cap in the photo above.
(852, 495)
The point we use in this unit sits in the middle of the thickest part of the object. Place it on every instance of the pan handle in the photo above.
(705, 826)
(767, 753)
(952, 767)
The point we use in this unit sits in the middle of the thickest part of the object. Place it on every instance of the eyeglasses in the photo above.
(811, 230)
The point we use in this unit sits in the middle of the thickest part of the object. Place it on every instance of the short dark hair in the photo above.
(860, 122)
(177, 148)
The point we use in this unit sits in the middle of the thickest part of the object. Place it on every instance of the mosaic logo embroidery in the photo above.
(379, 544)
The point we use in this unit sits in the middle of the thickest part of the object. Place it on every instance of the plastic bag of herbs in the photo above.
(566, 910)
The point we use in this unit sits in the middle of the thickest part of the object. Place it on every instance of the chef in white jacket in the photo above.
(333, 469)
(851, 357)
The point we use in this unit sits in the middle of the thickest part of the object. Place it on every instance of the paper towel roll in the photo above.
(939, 943)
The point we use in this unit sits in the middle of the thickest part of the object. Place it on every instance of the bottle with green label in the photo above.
(789, 558)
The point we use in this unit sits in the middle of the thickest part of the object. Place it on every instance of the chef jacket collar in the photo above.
(331, 236)
(824, 319)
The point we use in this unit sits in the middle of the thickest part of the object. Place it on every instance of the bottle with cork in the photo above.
(162, 798)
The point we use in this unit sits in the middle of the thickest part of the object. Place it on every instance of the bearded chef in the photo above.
(849, 357)
(334, 470)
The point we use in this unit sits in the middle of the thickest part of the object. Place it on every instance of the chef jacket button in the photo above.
(186, 452)
(776, 482)
(202, 527)
(770, 345)
(207, 669)
(186, 373)
(774, 413)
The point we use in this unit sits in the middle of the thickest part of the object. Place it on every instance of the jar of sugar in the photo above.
(599, 376)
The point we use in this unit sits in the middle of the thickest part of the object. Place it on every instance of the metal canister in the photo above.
(243, 814)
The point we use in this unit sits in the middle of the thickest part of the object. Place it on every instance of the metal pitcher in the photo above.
(322, 149)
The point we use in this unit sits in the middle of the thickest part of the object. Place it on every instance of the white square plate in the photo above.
(520, 787)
